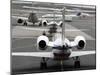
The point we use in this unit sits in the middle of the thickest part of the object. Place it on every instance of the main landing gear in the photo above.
(43, 63)
(25, 23)
(77, 62)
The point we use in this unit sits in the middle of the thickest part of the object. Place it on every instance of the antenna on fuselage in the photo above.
(63, 26)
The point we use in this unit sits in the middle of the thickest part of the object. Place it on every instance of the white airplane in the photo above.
(68, 18)
(33, 20)
(61, 48)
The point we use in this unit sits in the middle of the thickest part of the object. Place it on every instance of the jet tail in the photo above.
(33, 18)
(63, 25)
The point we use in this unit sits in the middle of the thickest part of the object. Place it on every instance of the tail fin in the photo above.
(63, 25)
(33, 18)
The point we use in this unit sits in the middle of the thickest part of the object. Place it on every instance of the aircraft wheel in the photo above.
(43, 65)
(25, 24)
(77, 64)
(45, 25)
(40, 24)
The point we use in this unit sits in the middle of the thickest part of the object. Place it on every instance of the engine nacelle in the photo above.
(80, 42)
(42, 42)
(20, 21)
(44, 23)
(60, 23)
(16, 20)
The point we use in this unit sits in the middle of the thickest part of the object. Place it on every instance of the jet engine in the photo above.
(44, 23)
(80, 42)
(42, 42)
(60, 23)
(20, 21)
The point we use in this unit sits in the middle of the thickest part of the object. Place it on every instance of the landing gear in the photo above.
(61, 24)
(43, 63)
(40, 24)
(44, 33)
(77, 62)
(25, 23)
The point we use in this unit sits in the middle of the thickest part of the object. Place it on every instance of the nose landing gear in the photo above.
(25, 23)
(77, 62)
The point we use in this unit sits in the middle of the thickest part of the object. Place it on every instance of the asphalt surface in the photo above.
(24, 40)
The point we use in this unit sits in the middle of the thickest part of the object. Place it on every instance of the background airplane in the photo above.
(33, 20)
(68, 18)
(40, 21)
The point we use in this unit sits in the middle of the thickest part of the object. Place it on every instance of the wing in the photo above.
(19, 17)
(34, 54)
(81, 53)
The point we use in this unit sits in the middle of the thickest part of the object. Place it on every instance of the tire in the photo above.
(43, 65)
(25, 24)
(40, 24)
(77, 64)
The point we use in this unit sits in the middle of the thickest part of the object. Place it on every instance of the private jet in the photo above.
(61, 48)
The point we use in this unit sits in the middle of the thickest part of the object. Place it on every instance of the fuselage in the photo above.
(58, 17)
(60, 51)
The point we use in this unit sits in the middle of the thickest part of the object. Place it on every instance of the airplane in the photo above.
(68, 18)
(33, 20)
(61, 48)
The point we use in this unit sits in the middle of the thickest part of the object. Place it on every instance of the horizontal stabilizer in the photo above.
(81, 53)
